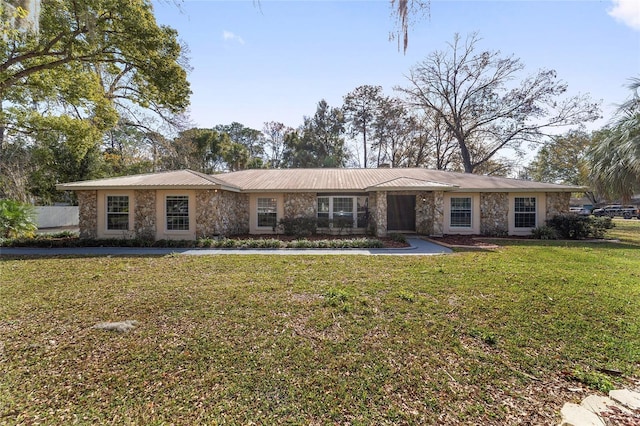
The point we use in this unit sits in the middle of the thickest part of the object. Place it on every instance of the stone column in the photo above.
(300, 205)
(88, 202)
(438, 214)
(380, 213)
(494, 213)
(424, 217)
(557, 203)
(145, 217)
(207, 212)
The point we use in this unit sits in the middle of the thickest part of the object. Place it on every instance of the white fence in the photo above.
(57, 216)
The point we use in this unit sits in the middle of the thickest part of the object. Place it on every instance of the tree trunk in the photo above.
(364, 137)
(466, 157)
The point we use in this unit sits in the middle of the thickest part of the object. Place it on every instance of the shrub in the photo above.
(545, 232)
(299, 226)
(599, 226)
(16, 219)
(342, 223)
(575, 227)
(399, 238)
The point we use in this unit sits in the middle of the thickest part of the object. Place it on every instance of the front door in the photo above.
(401, 213)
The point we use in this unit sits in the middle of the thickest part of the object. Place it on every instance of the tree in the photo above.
(324, 132)
(85, 63)
(196, 149)
(615, 158)
(474, 95)
(236, 155)
(319, 142)
(251, 139)
(57, 162)
(405, 10)
(360, 108)
(296, 153)
(563, 159)
(125, 151)
(275, 133)
(16, 219)
(394, 134)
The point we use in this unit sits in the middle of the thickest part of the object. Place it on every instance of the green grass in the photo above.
(627, 230)
(491, 337)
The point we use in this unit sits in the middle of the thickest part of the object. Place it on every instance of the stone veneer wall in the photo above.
(424, 213)
(378, 211)
(144, 220)
(221, 213)
(300, 204)
(494, 213)
(430, 213)
(88, 202)
(438, 214)
(557, 202)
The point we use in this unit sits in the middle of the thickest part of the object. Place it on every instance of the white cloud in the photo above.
(229, 36)
(627, 11)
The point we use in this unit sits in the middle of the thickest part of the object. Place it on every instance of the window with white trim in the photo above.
(323, 212)
(343, 211)
(342, 208)
(267, 212)
(177, 212)
(117, 212)
(524, 212)
(460, 215)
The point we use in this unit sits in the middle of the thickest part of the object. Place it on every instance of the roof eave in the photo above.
(68, 187)
(576, 189)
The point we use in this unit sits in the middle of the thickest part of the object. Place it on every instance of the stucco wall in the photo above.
(88, 217)
(144, 213)
(494, 213)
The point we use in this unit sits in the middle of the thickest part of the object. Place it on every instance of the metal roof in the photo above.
(399, 179)
(178, 179)
(322, 180)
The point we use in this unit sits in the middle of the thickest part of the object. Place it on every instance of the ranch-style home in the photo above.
(188, 205)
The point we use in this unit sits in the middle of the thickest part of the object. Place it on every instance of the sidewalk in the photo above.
(418, 247)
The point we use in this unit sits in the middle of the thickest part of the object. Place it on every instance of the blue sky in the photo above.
(274, 60)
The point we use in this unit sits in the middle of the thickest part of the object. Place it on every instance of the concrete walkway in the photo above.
(419, 247)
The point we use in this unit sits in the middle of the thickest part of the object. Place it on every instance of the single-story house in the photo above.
(188, 205)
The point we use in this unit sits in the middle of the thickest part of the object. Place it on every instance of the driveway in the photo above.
(419, 247)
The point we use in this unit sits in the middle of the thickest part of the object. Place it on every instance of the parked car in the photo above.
(614, 210)
(581, 211)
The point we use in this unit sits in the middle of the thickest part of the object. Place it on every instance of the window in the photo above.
(363, 212)
(177, 207)
(323, 212)
(343, 212)
(525, 212)
(461, 212)
(267, 212)
(117, 213)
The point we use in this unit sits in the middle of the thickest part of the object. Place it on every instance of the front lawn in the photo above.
(497, 337)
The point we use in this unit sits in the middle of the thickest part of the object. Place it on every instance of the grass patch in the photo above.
(627, 230)
(473, 338)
